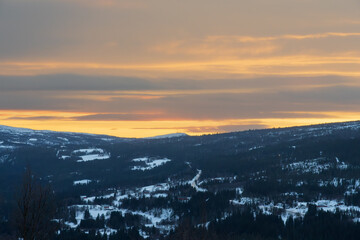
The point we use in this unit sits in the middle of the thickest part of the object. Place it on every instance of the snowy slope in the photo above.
(22, 136)
(172, 135)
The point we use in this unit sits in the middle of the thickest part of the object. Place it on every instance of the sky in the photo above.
(140, 68)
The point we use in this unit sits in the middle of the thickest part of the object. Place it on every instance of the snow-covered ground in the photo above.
(164, 219)
(82, 182)
(309, 166)
(63, 139)
(154, 217)
(340, 164)
(298, 209)
(171, 135)
(150, 163)
(155, 188)
(92, 157)
(194, 182)
(254, 148)
(7, 129)
(91, 154)
(217, 180)
(89, 150)
(85, 155)
(6, 147)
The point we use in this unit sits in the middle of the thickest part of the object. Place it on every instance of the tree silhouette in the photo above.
(35, 209)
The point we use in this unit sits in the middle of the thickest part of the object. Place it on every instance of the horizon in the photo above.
(141, 69)
(194, 135)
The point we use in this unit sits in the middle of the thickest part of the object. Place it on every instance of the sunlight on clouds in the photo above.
(151, 128)
(126, 4)
(288, 65)
(123, 4)
(286, 37)
(217, 56)
(214, 48)
(142, 68)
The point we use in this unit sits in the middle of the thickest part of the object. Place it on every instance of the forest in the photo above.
(291, 183)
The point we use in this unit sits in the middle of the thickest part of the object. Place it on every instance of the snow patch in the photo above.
(150, 163)
(194, 182)
(91, 154)
(82, 182)
(316, 166)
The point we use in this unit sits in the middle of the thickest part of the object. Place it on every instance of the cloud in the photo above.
(277, 65)
(225, 128)
(246, 39)
(156, 116)
(122, 60)
(162, 100)
(127, 4)
(215, 129)
(37, 118)
(349, 21)
(107, 85)
(64, 36)
(68, 82)
(229, 47)
(122, 117)
(251, 46)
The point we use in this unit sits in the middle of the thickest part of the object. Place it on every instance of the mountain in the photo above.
(158, 184)
(172, 135)
(23, 136)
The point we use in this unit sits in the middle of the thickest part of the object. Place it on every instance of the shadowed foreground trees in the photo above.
(35, 209)
(244, 225)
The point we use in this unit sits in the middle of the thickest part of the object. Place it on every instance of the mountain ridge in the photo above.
(161, 182)
(171, 135)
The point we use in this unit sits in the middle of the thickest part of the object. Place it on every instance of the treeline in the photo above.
(131, 234)
(316, 225)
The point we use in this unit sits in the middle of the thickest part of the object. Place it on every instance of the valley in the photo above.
(150, 188)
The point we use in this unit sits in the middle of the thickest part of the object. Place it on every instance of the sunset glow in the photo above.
(139, 69)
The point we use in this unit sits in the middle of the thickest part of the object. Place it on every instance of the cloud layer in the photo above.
(140, 68)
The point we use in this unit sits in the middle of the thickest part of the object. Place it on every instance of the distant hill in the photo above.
(163, 180)
(172, 135)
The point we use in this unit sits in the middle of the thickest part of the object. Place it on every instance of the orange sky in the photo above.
(138, 68)
(153, 128)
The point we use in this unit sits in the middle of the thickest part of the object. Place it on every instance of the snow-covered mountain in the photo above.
(23, 136)
(158, 180)
(171, 135)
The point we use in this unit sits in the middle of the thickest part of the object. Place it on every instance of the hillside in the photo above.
(154, 185)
